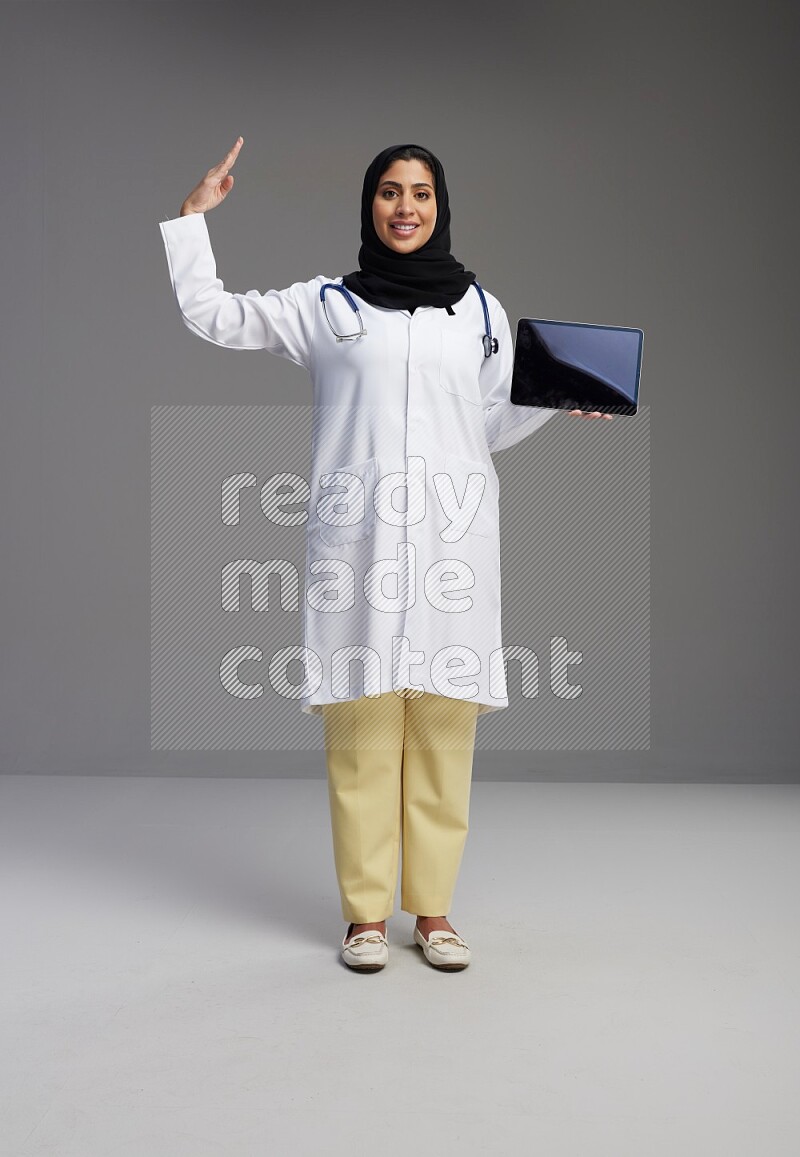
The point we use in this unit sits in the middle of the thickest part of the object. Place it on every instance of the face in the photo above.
(404, 196)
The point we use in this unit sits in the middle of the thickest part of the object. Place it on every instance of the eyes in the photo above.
(419, 193)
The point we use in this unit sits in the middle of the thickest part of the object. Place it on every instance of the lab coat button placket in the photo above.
(411, 407)
(409, 387)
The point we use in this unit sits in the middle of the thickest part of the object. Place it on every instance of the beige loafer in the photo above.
(444, 949)
(366, 952)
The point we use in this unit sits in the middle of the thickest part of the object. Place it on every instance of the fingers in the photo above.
(592, 414)
(228, 160)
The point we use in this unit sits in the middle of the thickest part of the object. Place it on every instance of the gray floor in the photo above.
(171, 984)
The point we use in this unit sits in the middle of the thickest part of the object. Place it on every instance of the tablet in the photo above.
(570, 365)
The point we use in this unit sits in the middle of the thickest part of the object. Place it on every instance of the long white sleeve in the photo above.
(280, 321)
(506, 424)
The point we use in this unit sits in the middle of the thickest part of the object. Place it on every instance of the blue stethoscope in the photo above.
(490, 344)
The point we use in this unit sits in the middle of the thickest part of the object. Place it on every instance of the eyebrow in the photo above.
(416, 185)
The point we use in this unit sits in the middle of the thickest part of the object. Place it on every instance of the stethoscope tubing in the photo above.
(490, 344)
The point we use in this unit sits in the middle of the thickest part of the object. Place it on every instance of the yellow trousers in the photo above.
(398, 761)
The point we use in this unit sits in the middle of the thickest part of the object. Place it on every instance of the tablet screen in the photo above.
(564, 365)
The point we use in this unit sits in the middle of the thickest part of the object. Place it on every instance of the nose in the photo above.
(405, 208)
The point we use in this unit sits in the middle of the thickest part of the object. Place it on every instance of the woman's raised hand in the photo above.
(215, 185)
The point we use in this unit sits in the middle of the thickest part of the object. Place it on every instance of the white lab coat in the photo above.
(410, 584)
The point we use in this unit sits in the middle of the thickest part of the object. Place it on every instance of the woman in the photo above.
(407, 397)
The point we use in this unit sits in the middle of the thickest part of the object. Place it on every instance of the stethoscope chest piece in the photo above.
(490, 344)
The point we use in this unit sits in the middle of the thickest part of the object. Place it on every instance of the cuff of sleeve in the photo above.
(190, 223)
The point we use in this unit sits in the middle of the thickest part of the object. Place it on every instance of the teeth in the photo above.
(404, 228)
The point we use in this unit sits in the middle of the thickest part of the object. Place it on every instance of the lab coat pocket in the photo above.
(460, 363)
(466, 475)
(345, 510)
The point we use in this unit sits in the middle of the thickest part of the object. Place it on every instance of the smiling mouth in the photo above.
(404, 230)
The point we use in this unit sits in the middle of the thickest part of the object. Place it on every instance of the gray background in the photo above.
(629, 164)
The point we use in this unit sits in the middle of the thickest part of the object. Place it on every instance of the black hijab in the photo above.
(429, 275)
